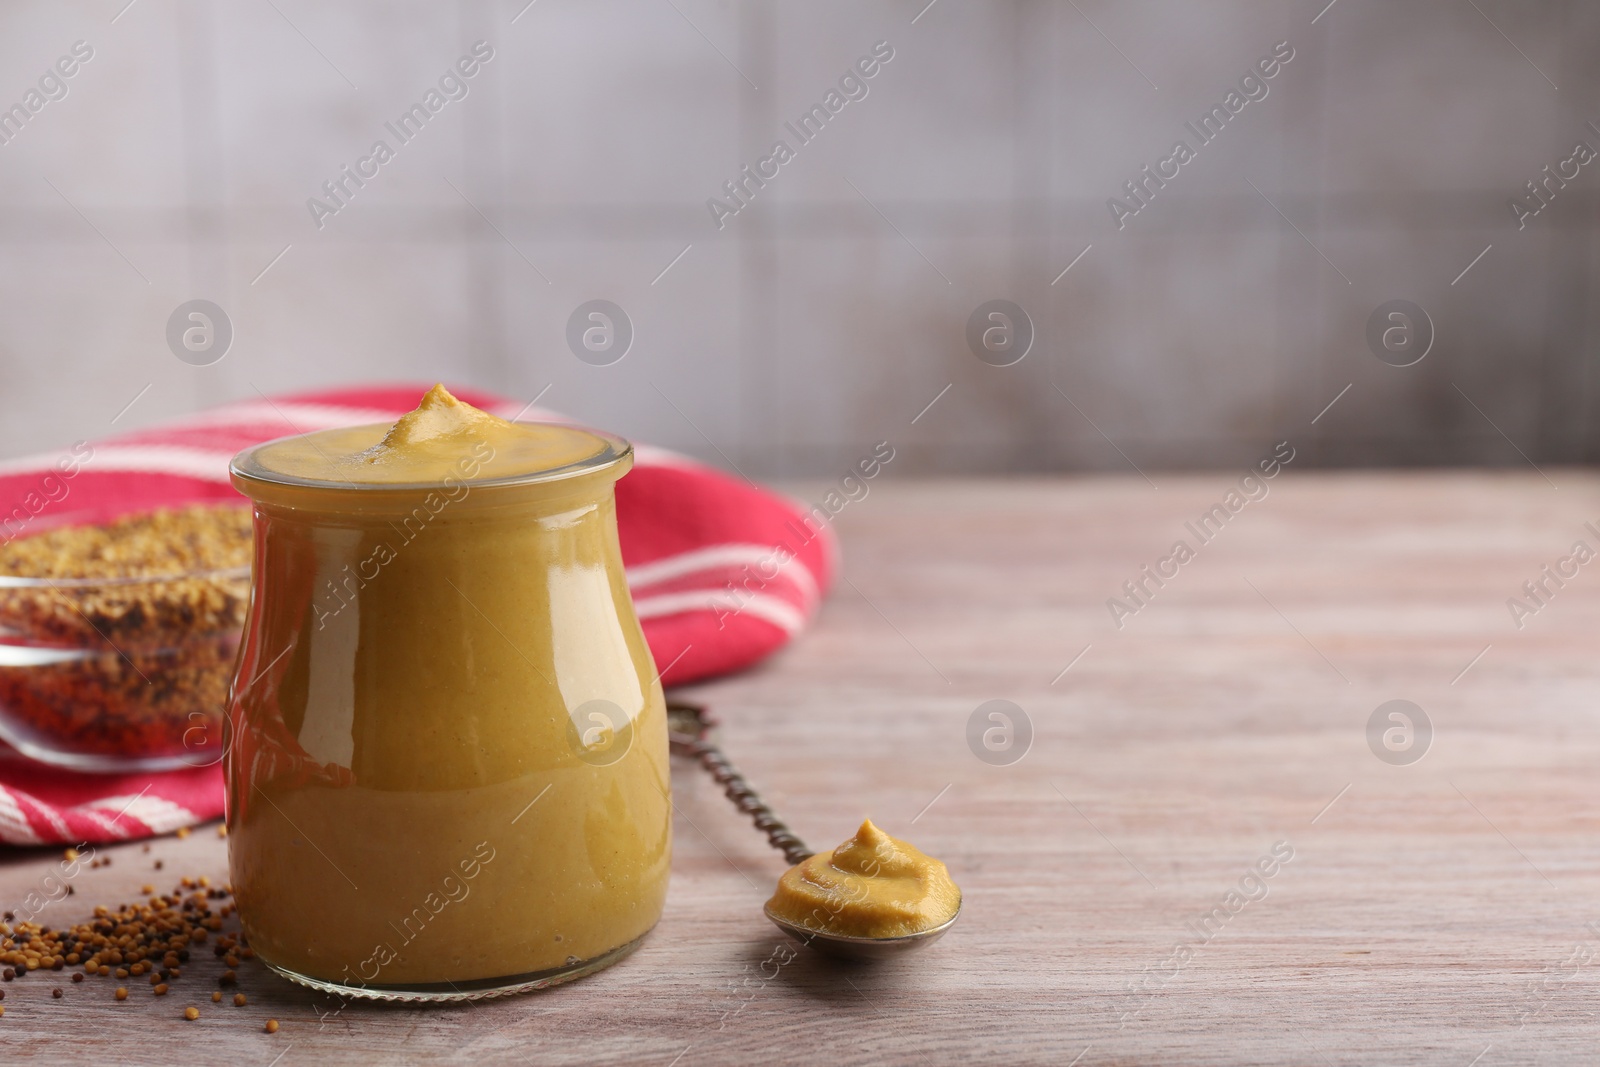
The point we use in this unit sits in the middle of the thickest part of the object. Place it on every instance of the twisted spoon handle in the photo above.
(687, 726)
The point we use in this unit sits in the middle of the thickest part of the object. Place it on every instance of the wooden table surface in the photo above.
(1431, 913)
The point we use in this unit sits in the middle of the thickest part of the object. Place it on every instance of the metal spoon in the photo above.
(687, 726)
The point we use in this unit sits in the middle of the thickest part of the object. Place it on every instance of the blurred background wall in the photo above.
(829, 312)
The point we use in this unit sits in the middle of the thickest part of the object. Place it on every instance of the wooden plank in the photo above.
(1429, 911)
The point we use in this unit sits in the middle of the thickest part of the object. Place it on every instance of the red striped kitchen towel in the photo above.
(700, 547)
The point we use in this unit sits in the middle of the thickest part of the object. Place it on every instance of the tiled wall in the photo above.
(827, 314)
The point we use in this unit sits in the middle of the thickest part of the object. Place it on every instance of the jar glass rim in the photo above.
(247, 472)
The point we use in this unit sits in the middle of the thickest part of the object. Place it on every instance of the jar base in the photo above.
(478, 989)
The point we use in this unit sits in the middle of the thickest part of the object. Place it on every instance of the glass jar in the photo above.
(447, 776)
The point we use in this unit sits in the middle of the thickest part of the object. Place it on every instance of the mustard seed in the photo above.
(272, 1024)
(239, 1000)
(57, 993)
(122, 992)
(191, 1014)
(161, 990)
(77, 977)
(216, 996)
(183, 832)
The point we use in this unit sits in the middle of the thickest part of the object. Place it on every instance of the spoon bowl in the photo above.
(861, 949)
(687, 726)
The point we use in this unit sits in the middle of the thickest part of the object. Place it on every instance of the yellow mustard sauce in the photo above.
(873, 885)
(422, 790)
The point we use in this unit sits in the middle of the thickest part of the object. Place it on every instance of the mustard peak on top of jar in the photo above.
(440, 419)
(442, 438)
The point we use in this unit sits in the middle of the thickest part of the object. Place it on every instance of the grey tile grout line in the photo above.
(1297, 229)
(897, 230)
(97, 230)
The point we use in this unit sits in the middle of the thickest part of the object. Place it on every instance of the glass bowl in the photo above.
(119, 674)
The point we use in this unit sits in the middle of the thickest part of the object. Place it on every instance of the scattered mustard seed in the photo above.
(216, 996)
(191, 1014)
(272, 1024)
(183, 832)
(239, 1000)
(161, 990)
